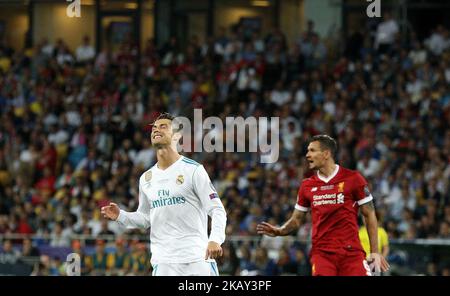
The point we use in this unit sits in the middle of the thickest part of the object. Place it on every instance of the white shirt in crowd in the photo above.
(280, 97)
(386, 32)
(59, 137)
(144, 157)
(437, 43)
(418, 56)
(85, 53)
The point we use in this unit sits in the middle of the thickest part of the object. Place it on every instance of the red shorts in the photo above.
(347, 263)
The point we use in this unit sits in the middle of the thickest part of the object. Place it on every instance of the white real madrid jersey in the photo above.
(176, 203)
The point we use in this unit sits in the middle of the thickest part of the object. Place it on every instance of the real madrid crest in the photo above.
(180, 180)
(148, 176)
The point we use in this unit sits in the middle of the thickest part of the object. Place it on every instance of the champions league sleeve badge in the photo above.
(148, 176)
(213, 195)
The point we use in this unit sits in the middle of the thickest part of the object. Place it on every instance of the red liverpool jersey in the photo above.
(334, 203)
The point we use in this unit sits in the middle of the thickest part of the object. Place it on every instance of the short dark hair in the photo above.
(326, 143)
(166, 115)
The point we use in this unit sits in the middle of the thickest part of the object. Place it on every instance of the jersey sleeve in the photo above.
(140, 218)
(303, 203)
(361, 192)
(211, 202)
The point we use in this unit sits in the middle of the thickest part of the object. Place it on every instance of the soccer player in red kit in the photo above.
(333, 195)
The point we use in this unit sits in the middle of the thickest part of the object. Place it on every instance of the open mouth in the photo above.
(157, 136)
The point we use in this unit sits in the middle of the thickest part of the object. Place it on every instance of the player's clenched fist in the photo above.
(213, 251)
(111, 211)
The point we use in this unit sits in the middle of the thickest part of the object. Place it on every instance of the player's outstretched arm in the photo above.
(291, 225)
(131, 220)
(376, 260)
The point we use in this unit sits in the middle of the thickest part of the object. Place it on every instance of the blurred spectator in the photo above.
(63, 55)
(438, 41)
(119, 261)
(145, 156)
(418, 54)
(301, 262)
(56, 268)
(97, 262)
(104, 228)
(8, 254)
(265, 266)
(58, 239)
(432, 269)
(285, 264)
(383, 240)
(140, 259)
(85, 52)
(444, 230)
(246, 264)
(386, 33)
(43, 267)
(28, 250)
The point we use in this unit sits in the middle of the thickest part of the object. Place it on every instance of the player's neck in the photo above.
(327, 170)
(166, 156)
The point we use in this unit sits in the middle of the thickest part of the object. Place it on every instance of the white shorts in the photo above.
(200, 268)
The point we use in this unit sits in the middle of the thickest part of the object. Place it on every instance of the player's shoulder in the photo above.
(349, 173)
(188, 162)
(147, 175)
(309, 182)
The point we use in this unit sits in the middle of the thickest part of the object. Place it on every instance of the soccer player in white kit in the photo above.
(176, 197)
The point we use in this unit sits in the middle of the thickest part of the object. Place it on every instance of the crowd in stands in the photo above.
(74, 135)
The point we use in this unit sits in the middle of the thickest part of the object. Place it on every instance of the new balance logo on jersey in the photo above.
(213, 195)
(313, 189)
(340, 198)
